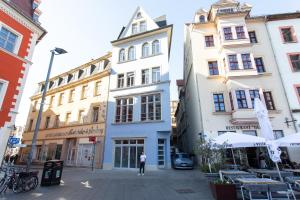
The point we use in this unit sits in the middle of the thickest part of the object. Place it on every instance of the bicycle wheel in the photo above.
(2, 182)
(17, 186)
(35, 181)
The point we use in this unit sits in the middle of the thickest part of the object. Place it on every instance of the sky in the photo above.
(85, 28)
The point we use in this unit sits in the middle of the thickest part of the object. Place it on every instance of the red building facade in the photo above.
(20, 31)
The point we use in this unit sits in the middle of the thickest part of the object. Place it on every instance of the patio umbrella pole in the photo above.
(280, 177)
(233, 157)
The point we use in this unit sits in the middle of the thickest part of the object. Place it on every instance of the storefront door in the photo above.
(85, 155)
(127, 153)
(71, 158)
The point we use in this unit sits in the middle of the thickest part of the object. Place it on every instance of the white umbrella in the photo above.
(267, 131)
(237, 140)
(292, 140)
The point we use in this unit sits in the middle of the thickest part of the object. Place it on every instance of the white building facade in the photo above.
(138, 117)
(284, 32)
(229, 61)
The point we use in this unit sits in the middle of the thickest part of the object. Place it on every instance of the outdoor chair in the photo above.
(281, 191)
(294, 181)
(255, 191)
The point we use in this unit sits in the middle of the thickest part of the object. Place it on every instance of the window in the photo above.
(124, 110)
(60, 81)
(298, 91)
(260, 67)
(120, 80)
(47, 122)
(143, 26)
(288, 34)
(30, 125)
(227, 33)
(252, 36)
(269, 101)
(3, 88)
(122, 55)
(233, 62)
(155, 47)
(80, 116)
(209, 41)
(130, 79)
(145, 50)
(213, 68)
(95, 114)
(241, 99)
(138, 15)
(84, 92)
(131, 53)
(68, 118)
(231, 101)
(247, 61)
(70, 77)
(97, 88)
(72, 95)
(155, 74)
(295, 61)
(8, 40)
(134, 29)
(254, 94)
(219, 103)
(51, 101)
(151, 107)
(92, 69)
(145, 76)
(240, 33)
(202, 19)
(278, 134)
(250, 132)
(56, 122)
(80, 73)
(61, 99)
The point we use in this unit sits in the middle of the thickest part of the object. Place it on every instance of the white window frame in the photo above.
(154, 107)
(3, 91)
(147, 79)
(19, 38)
(152, 80)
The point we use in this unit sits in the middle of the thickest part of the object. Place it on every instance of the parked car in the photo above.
(182, 161)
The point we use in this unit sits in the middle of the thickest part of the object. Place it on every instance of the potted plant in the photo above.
(222, 190)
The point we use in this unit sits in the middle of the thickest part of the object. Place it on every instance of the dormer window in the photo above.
(202, 19)
(138, 15)
(143, 26)
(122, 55)
(93, 67)
(60, 81)
(51, 84)
(134, 29)
(42, 87)
(80, 73)
(70, 77)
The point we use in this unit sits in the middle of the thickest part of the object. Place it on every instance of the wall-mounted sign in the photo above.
(76, 132)
(243, 127)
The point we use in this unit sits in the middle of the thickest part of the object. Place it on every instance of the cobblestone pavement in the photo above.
(83, 184)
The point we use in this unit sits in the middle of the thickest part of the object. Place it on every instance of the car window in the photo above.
(184, 156)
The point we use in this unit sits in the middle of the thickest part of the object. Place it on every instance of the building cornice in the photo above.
(97, 76)
(22, 19)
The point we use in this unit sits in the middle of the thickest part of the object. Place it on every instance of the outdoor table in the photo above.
(233, 172)
(257, 181)
(261, 172)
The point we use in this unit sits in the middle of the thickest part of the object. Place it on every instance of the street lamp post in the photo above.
(56, 51)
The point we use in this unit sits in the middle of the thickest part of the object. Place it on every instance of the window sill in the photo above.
(153, 55)
(138, 122)
(126, 61)
(222, 113)
(214, 76)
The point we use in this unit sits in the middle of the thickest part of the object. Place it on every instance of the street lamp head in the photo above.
(59, 51)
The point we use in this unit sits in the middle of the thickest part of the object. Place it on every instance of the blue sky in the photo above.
(85, 28)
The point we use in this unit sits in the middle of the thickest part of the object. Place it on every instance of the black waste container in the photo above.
(52, 172)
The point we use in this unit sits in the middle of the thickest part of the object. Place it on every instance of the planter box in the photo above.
(223, 191)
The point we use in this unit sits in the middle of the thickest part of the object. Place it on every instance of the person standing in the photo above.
(262, 160)
(142, 164)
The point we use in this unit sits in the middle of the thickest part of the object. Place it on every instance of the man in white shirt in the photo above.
(142, 163)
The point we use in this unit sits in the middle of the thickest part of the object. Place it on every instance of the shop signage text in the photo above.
(76, 132)
(244, 127)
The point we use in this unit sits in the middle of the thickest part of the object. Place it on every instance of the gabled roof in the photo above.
(151, 23)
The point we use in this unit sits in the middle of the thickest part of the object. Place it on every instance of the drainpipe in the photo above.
(281, 80)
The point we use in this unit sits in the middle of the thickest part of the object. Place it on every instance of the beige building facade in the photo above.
(74, 115)
(229, 61)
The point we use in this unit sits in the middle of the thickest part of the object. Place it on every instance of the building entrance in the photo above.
(127, 153)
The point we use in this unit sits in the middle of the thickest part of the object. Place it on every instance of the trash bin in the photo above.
(52, 172)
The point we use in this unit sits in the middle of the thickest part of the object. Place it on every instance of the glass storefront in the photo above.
(127, 153)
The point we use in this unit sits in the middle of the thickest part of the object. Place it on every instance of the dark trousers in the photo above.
(142, 166)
